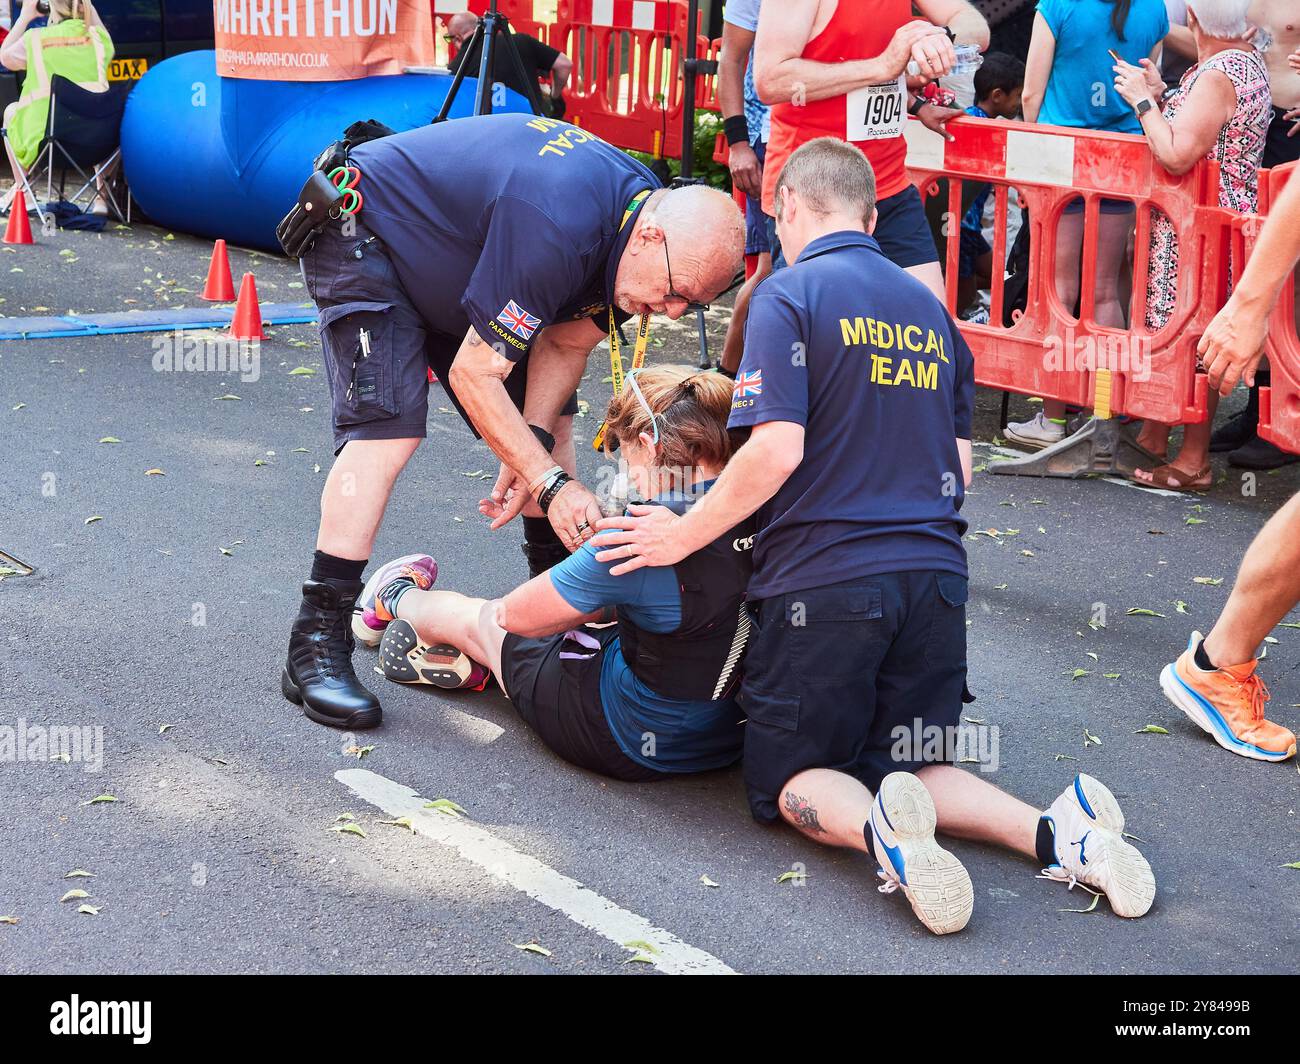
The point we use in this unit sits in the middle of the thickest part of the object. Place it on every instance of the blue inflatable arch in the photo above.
(225, 157)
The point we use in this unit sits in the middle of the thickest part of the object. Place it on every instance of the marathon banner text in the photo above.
(321, 40)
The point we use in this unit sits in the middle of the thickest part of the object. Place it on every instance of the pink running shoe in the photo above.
(371, 617)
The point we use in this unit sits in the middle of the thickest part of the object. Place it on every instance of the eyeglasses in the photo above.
(451, 38)
(672, 292)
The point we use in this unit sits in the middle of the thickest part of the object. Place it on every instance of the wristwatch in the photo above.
(917, 103)
(1143, 106)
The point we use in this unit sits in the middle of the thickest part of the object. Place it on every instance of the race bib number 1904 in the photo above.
(876, 112)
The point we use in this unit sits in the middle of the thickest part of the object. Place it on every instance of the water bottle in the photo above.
(968, 61)
(613, 495)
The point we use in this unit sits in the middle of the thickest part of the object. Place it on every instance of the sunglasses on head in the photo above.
(685, 386)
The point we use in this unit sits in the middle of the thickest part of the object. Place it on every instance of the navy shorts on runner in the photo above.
(554, 684)
(832, 672)
(385, 395)
(903, 231)
(756, 242)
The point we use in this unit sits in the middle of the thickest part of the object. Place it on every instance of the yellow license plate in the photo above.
(127, 69)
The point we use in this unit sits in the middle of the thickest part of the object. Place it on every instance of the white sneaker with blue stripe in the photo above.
(902, 835)
(1087, 829)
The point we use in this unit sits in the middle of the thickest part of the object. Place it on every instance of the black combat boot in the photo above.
(541, 556)
(318, 675)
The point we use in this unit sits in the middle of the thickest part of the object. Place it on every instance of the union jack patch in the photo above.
(748, 385)
(518, 320)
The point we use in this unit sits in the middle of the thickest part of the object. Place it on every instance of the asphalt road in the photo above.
(218, 856)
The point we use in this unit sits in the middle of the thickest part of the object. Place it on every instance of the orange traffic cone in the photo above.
(220, 288)
(19, 229)
(247, 322)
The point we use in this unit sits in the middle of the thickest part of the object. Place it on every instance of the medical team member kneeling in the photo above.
(858, 390)
(648, 696)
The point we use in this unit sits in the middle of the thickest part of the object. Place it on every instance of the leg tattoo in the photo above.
(803, 814)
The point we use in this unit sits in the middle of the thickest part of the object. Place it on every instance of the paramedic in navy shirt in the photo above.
(496, 251)
(858, 390)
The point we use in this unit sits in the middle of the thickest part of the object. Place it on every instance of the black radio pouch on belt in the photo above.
(320, 200)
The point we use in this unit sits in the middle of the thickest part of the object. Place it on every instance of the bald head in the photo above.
(462, 25)
(705, 232)
(700, 232)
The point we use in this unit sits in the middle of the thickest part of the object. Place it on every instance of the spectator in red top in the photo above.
(832, 68)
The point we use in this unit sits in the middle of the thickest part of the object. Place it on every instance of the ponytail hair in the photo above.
(1119, 17)
(690, 407)
(68, 9)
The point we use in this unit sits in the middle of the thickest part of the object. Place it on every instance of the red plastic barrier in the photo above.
(627, 84)
(521, 14)
(1047, 351)
(1279, 404)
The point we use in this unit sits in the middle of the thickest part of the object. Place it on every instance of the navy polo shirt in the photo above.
(863, 356)
(508, 222)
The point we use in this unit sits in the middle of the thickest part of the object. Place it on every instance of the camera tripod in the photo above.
(491, 26)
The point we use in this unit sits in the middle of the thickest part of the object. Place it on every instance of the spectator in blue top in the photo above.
(998, 85)
(645, 698)
(1069, 81)
(859, 392)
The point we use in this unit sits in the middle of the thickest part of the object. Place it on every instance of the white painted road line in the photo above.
(527, 874)
(1123, 483)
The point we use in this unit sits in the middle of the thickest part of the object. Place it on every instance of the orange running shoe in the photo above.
(1228, 703)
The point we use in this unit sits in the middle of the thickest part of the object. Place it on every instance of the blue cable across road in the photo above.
(134, 321)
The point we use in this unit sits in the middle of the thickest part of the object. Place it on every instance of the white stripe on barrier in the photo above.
(1039, 157)
(602, 12)
(643, 15)
(924, 146)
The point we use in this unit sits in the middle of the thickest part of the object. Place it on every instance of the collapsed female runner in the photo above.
(629, 676)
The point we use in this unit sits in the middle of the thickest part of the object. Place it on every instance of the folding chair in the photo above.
(22, 181)
(82, 134)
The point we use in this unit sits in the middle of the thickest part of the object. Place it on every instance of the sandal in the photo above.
(1172, 478)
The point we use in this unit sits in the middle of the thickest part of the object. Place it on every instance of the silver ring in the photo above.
(582, 525)
(629, 550)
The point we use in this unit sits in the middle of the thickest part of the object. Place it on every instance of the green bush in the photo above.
(707, 127)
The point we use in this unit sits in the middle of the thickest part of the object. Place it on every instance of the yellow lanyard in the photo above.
(642, 336)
